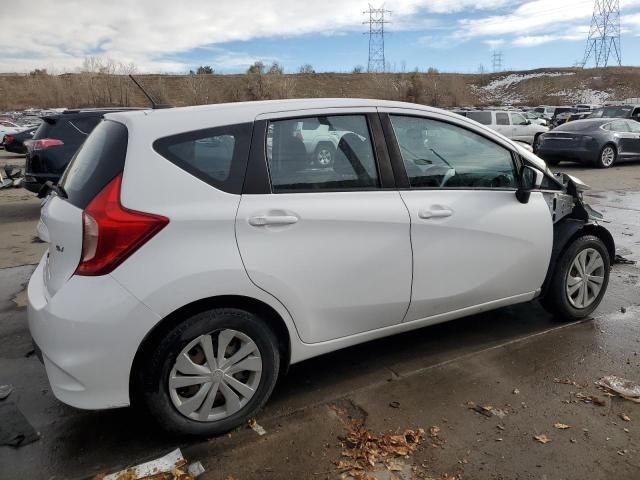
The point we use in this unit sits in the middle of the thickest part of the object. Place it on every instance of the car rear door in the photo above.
(474, 244)
(331, 244)
(523, 130)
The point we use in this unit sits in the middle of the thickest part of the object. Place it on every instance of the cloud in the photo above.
(493, 43)
(147, 32)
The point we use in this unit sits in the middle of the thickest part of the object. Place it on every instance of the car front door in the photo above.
(331, 244)
(625, 138)
(634, 141)
(503, 125)
(474, 244)
(523, 129)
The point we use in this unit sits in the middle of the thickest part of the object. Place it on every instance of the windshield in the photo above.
(611, 112)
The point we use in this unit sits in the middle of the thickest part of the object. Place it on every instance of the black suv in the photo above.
(56, 142)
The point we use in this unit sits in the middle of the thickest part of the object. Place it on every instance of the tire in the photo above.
(324, 155)
(558, 300)
(162, 400)
(607, 156)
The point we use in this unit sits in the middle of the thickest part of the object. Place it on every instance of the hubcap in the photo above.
(607, 156)
(324, 157)
(215, 375)
(585, 278)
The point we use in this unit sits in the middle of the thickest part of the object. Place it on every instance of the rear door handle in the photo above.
(262, 220)
(435, 213)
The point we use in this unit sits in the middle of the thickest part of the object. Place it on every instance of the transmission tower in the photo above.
(496, 61)
(376, 38)
(604, 34)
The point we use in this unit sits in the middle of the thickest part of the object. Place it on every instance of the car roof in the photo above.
(162, 122)
(88, 112)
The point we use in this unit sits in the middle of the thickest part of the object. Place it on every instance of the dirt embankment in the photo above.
(544, 86)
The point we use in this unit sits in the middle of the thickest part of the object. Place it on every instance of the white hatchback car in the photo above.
(188, 265)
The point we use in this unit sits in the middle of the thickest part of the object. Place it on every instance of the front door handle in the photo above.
(262, 220)
(435, 213)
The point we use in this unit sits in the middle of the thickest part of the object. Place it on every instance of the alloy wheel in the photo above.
(324, 157)
(585, 278)
(215, 375)
(607, 156)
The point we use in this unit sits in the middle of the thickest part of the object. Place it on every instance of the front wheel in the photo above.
(607, 156)
(580, 279)
(211, 372)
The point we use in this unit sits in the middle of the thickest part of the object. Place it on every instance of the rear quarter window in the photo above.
(480, 117)
(217, 156)
(98, 161)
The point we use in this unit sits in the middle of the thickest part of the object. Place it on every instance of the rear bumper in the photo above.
(579, 154)
(88, 333)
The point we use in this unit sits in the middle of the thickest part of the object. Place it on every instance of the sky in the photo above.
(172, 36)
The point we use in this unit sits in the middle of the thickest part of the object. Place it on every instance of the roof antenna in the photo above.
(154, 105)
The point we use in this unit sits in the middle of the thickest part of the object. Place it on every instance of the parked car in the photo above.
(14, 142)
(512, 125)
(617, 111)
(186, 283)
(7, 126)
(56, 141)
(599, 142)
(536, 118)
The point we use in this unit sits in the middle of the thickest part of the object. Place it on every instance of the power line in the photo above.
(496, 61)
(604, 34)
(376, 23)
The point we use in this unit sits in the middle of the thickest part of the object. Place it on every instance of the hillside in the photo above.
(534, 87)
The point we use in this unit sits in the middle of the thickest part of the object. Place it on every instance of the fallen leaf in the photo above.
(542, 438)
(625, 417)
(561, 426)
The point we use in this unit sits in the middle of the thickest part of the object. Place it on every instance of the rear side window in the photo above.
(480, 117)
(502, 119)
(98, 161)
(339, 158)
(217, 156)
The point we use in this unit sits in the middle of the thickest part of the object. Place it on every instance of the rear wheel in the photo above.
(580, 279)
(607, 156)
(211, 373)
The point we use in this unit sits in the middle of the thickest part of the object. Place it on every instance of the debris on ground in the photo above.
(5, 391)
(561, 426)
(515, 391)
(363, 450)
(256, 427)
(394, 404)
(622, 260)
(625, 417)
(12, 177)
(542, 438)
(625, 388)
(566, 381)
(15, 430)
(590, 399)
(172, 466)
(487, 410)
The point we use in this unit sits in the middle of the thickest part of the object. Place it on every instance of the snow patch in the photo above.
(509, 80)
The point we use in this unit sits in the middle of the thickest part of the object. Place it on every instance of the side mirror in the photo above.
(527, 122)
(530, 179)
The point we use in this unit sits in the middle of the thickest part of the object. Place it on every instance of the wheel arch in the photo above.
(565, 232)
(258, 307)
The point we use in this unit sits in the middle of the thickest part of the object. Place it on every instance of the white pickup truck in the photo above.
(512, 125)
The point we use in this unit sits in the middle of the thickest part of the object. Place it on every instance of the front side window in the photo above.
(217, 156)
(634, 127)
(502, 118)
(518, 119)
(321, 153)
(440, 155)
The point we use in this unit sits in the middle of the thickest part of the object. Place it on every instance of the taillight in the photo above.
(111, 232)
(43, 143)
(8, 139)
